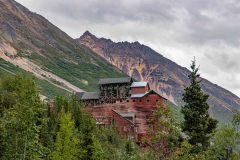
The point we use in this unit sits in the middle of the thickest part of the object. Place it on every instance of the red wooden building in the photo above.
(130, 114)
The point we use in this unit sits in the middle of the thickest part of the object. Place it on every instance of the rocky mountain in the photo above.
(165, 76)
(30, 43)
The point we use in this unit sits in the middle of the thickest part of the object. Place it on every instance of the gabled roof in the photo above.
(125, 117)
(140, 95)
(139, 84)
(87, 95)
(152, 92)
(115, 80)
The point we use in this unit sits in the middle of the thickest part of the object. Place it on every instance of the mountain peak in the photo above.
(87, 33)
(136, 43)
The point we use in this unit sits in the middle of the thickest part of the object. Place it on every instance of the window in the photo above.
(127, 100)
(140, 100)
(156, 100)
(148, 100)
(134, 100)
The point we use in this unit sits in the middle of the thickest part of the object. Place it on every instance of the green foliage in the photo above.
(129, 148)
(226, 142)
(166, 140)
(176, 112)
(94, 150)
(65, 130)
(22, 119)
(198, 125)
(236, 120)
(66, 145)
(114, 145)
(89, 146)
(164, 134)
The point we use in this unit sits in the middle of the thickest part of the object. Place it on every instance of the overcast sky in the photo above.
(179, 30)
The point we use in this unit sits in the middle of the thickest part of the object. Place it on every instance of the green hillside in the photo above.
(46, 88)
(83, 71)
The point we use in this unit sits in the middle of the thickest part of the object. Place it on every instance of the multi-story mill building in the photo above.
(127, 104)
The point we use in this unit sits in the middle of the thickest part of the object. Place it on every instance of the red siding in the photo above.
(143, 108)
(124, 127)
(149, 100)
(136, 90)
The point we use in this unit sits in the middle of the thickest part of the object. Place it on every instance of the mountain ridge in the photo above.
(167, 77)
(29, 43)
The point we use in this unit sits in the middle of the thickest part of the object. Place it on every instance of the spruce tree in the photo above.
(66, 145)
(197, 125)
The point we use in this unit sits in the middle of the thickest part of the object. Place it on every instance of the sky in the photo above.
(180, 30)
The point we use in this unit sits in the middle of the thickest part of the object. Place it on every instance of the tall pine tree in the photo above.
(197, 125)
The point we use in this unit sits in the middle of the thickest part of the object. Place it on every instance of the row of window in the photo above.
(139, 100)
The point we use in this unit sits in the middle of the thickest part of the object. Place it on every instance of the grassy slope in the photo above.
(222, 119)
(176, 111)
(45, 87)
(82, 71)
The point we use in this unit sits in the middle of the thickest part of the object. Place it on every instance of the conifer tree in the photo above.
(96, 150)
(66, 145)
(197, 125)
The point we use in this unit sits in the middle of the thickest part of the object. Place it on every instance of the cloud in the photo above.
(180, 30)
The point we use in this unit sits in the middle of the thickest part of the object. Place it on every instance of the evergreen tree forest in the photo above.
(32, 129)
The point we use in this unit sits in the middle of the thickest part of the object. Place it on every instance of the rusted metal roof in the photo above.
(115, 80)
(87, 95)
